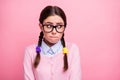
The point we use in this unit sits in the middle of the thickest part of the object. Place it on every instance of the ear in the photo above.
(40, 25)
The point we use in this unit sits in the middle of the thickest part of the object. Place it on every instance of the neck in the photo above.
(48, 43)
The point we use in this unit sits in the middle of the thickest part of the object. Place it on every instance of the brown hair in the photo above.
(46, 12)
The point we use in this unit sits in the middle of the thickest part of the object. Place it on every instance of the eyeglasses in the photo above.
(49, 28)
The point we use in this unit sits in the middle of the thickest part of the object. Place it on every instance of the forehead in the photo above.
(54, 19)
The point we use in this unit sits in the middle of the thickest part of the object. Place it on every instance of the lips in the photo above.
(53, 37)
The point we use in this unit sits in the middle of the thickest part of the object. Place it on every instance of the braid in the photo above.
(37, 59)
(65, 55)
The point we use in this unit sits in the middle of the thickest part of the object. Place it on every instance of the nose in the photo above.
(54, 30)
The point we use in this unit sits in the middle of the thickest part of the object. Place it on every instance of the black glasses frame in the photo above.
(53, 28)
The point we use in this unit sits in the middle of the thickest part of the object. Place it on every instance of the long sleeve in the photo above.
(28, 72)
(75, 69)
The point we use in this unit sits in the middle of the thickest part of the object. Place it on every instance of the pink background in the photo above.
(92, 24)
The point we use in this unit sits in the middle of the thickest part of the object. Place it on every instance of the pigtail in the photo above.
(38, 50)
(65, 53)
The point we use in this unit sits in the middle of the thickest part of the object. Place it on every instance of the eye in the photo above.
(59, 26)
(49, 26)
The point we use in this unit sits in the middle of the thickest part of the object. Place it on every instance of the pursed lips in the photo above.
(53, 37)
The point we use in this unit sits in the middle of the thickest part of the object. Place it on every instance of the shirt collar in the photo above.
(55, 48)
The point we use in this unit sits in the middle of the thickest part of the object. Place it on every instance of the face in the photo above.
(54, 34)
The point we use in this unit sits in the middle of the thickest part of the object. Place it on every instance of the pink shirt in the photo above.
(51, 68)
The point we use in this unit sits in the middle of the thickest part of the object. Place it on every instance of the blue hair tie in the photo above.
(38, 50)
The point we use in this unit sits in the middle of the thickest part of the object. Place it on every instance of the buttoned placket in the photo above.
(52, 68)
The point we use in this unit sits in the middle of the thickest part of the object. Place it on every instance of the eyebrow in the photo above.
(52, 23)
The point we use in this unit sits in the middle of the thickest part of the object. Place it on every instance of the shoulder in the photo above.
(72, 48)
(30, 49)
(71, 45)
(73, 51)
(29, 53)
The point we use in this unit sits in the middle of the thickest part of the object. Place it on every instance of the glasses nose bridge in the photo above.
(54, 27)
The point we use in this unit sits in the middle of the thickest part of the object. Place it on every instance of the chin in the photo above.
(53, 42)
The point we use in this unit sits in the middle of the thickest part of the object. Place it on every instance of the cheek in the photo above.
(46, 35)
(60, 36)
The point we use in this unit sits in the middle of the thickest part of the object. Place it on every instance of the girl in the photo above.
(52, 58)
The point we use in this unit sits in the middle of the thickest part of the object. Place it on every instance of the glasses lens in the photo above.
(47, 28)
(60, 28)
